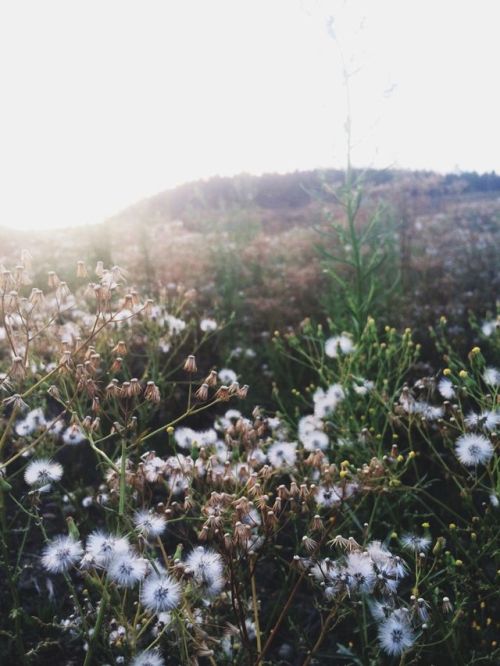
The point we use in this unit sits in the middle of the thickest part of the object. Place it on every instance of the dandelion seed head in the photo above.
(148, 658)
(227, 376)
(491, 376)
(445, 388)
(104, 547)
(208, 325)
(282, 454)
(473, 449)
(73, 435)
(160, 593)
(61, 554)
(42, 471)
(126, 570)
(395, 636)
(339, 344)
(207, 569)
(317, 439)
(415, 543)
(149, 524)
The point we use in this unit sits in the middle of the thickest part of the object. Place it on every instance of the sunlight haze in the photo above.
(108, 102)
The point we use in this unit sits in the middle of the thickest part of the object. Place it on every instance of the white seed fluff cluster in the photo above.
(42, 472)
(62, 553)
(160, 592)
(339, 344)
(207, 569)
(473, 449)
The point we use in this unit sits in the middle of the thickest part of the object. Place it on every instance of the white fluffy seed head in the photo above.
(149, 524)
(61, 554)
(148, 658)
(127, 570)
(473, 450)
(207, 569)
(160, 593)
(42, 471)
(103, 547)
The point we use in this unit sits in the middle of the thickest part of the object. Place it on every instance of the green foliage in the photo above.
(360, 259)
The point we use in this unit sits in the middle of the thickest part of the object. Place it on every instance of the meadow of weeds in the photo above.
(155, 509)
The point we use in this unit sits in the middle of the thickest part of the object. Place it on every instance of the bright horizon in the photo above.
(105, 103)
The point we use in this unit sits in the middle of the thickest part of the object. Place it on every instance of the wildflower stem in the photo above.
(7, 428)
(123, 485)
(256, 612)
(98, 624)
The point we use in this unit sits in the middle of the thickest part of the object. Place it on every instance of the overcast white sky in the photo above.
(105, 102)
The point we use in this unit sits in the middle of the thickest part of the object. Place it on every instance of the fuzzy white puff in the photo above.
(207, 569)
(418, 544)
(160, 593)
(314, 440)
(361, 572)
(73, 435)
(227, 376)
(149, 524)
(491, 376)
(127, 570)
(445, 387)
(42, 471)
(61, 554)
(395, 635)
(208, 325)
(154, 468)
(148, 658)
(487, 420)
(325, 402)
(472, 449)
(102, 547)
(338, 344)
(282, 454)
(184, 437)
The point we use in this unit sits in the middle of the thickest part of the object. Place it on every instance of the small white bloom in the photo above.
(148, 658)
(325, 402)
(73, 435)
(365, 387)
(361, 573)
(160, 593)
(395, 635)
(174, 324)
(185, 437)
(153, 469)
(327, 496)
(339, 344)
(208, 325)
(488, 420)
(61, 554)
(282, 454)
(308, 424)
(127, 570)
(178, 483)
(149, 524)
(489, 327)
(317, 439)
(473, 449)
(207, 569)
(445, 387)
(42, 471)
(104, 547)
(227, 376)
(491, 376)
(418, 544)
